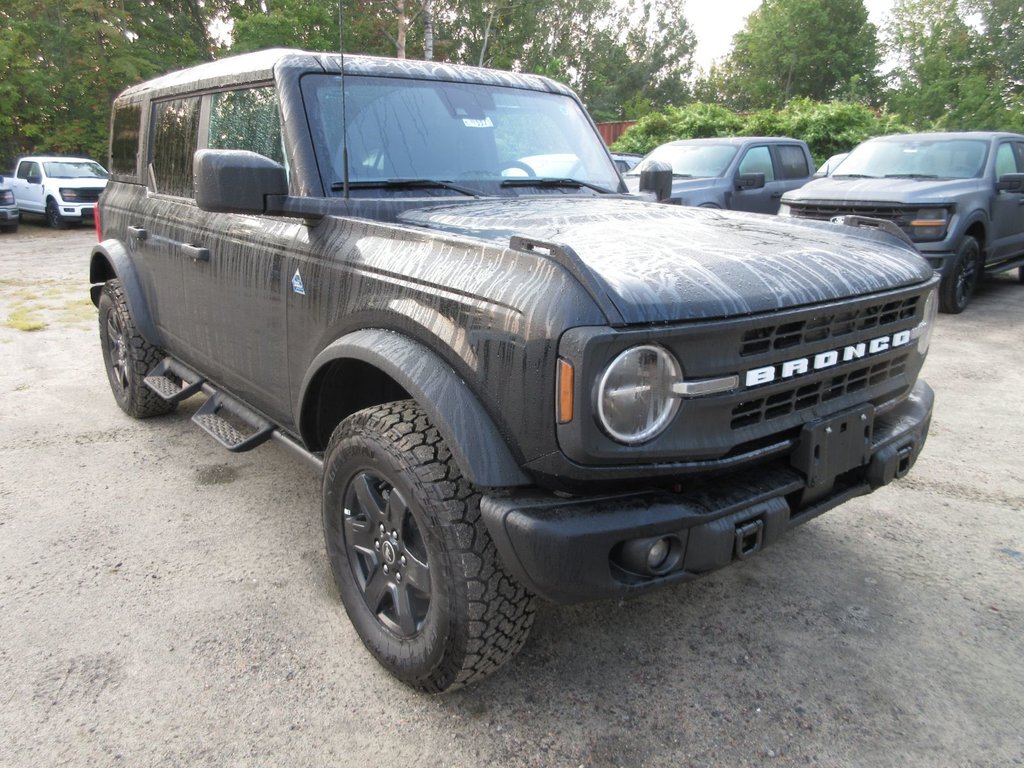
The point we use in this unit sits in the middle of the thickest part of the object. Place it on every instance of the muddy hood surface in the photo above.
(665, 263)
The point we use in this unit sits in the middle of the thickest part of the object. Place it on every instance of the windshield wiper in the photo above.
(530, 181)
(853, 176)
(911, 176)
(406, 184)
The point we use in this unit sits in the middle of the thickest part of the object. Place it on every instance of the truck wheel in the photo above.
(1020, 275)
(961, 278)
(415, 567)
(53, 217)
(128, 357)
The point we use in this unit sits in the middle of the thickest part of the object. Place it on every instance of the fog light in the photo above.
(658, 554)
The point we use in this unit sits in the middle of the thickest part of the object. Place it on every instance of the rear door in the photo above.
(1007, 207)
(28, 187)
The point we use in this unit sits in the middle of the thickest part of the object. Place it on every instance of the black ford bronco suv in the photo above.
(518, 381)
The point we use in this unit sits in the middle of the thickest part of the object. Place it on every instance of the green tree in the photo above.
(951, 75)
(819, 49)
(63, 61)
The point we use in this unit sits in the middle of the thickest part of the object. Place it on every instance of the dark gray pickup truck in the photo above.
(958, 196)
(429, 283)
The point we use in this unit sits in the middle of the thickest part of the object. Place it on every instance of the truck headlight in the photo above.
(929, 224)
(635, 401)
(68, 195)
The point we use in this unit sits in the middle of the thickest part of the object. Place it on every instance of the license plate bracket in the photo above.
(829, 447)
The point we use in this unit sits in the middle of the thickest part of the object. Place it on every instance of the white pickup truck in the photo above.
(63, 189)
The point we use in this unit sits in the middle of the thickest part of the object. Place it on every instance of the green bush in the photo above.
(827, 127)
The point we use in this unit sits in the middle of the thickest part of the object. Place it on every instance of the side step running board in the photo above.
(226, 420)
(173, 381)
(242, 430)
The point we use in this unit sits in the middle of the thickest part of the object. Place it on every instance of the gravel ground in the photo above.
(167, 603)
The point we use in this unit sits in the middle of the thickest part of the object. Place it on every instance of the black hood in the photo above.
(665, 263)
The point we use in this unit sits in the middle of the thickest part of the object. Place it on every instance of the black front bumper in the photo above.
(574, 549)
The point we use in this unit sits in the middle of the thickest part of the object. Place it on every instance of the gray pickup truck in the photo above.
(745, 173)
(513, 378)
(958, 196)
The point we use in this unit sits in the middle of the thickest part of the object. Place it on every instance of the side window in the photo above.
(124, 139)
(25, 170)
(1006, 159)
(758, 160)
(175, 131)
(246, 119)
(792, 161)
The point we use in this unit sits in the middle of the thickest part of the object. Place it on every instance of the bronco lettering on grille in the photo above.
(822, 360)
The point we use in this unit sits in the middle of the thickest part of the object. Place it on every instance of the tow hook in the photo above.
(749, 537)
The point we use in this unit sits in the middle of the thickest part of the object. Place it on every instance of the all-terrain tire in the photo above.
(127, 356)
(414, 564)
(961, 277)
(53, 217)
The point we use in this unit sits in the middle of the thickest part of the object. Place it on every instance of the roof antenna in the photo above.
(344, 115)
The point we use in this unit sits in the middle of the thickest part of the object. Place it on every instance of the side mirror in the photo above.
(236, 180)
(656, 177)
(1011, 182)
(750, 181)
(34, 179)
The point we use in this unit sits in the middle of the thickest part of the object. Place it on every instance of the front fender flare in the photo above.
(474, 440)
(110, 256)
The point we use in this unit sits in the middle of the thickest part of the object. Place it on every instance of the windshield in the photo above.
(473, 135)
(75, 169)
(696, 160)
(916, 158)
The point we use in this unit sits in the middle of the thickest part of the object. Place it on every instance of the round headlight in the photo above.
(635, 401)
(924, 330)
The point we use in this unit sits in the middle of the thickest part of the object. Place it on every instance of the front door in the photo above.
(1007, 207)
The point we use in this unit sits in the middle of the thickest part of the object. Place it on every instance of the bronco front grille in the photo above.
(827, 326)
(800, 397)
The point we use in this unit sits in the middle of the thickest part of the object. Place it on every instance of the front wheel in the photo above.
(961, 277)
(127, 356)
(53, 217)
(415, 567)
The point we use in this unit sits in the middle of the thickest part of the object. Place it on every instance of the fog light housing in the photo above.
(654, 556)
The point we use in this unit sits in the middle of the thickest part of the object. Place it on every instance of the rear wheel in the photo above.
(128, 357)
(961, 277)
(415, 567)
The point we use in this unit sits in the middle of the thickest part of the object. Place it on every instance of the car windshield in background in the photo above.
(75, 170)
(691, 160)
(475, 136)
(916, 159)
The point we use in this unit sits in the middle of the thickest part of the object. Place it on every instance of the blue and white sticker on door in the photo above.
(297, 286)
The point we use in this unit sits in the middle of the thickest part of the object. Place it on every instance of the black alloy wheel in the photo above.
(961, 277)
(53, 217)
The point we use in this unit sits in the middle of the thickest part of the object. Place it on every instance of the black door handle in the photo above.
(196, 252)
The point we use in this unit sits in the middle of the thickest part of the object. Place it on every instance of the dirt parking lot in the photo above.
(166, 603)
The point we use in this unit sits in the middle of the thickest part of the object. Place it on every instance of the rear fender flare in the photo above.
(110, 259)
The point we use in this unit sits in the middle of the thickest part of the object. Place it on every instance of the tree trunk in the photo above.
(428, 31)
(402, 22)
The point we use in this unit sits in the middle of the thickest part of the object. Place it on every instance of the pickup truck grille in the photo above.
(900, 215)
(88, 195)
(799, 398)
(827, 326)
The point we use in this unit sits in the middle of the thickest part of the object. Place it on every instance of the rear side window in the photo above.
(124, 140)
(246, 119)
(793, 162)
(175, 132)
